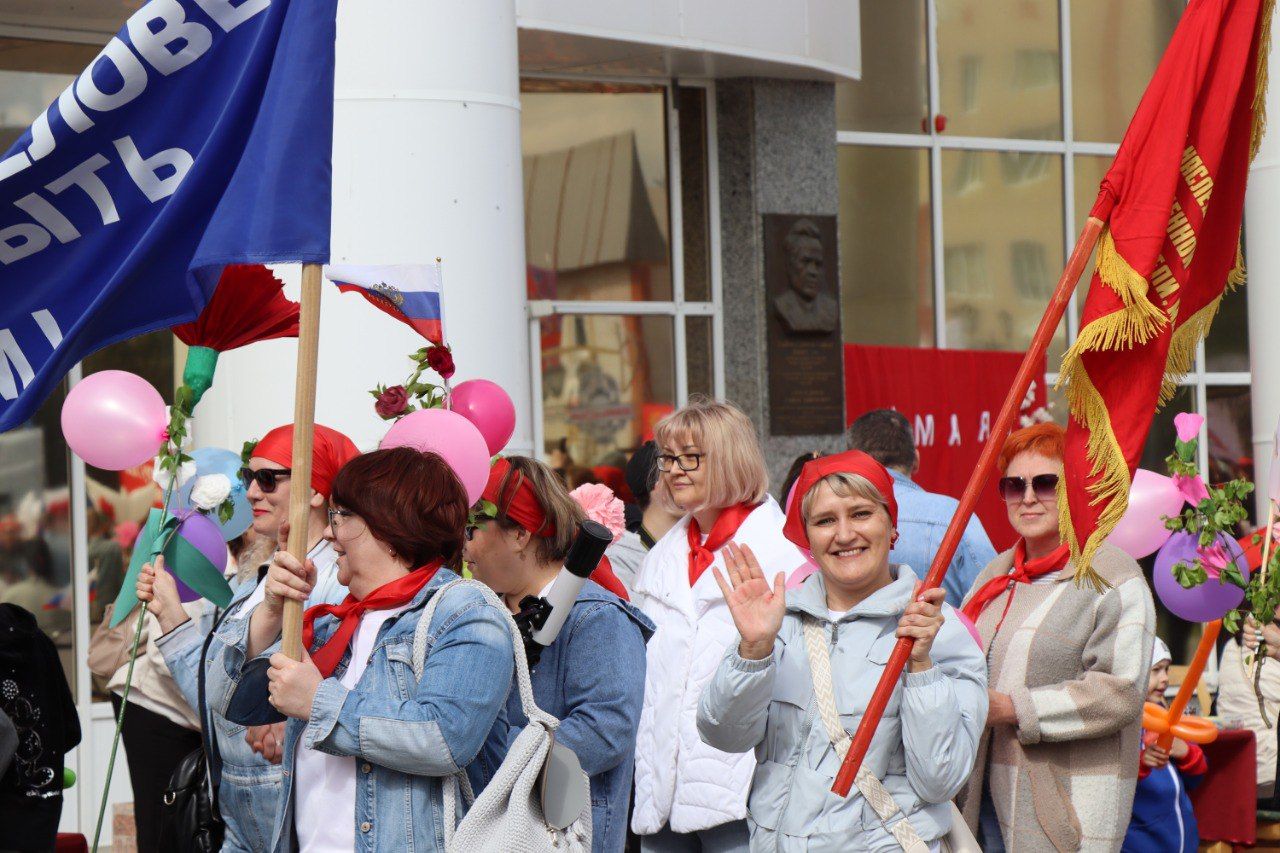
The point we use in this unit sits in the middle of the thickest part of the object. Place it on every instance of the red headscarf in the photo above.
(518, 500)
(849, 462)
(330, 451)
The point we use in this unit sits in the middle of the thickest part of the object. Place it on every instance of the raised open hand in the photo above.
(756, 608)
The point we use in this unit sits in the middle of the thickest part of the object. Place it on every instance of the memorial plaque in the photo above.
(806, 351)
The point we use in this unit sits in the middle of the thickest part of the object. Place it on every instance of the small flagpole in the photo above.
(304, 419)
(448, 388)
(968, 502)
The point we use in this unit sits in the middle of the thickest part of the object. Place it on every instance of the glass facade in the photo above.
(610, 170)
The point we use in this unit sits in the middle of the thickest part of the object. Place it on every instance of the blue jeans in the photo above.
(726, 838)
(989, 836)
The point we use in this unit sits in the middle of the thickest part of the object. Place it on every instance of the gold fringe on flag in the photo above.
(1261, 78)
(1138, 322)
(1112, 489)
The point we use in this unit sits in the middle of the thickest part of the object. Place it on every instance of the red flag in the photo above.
(1173, 201)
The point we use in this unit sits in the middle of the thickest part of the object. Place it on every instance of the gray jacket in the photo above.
(923, 749)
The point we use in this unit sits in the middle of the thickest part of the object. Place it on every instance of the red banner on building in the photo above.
(951, 398)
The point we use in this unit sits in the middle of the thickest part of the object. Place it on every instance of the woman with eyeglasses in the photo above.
(1068, 672)
(250, 755)
(592, 676)
(368, 741)
(690, 796)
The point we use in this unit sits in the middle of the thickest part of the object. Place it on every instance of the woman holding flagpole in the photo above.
(691, 796)
(1068, 674)
(806, 663)
(367, 741)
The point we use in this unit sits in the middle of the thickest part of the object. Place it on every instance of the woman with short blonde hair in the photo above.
(689, 795)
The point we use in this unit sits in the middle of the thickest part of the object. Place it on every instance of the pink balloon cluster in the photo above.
(114, 420)
(478, 423)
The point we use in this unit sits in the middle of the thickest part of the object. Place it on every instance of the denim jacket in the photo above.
(923, 749)
(249, 783)
(403, 733)
(592, 679)
(923, 518)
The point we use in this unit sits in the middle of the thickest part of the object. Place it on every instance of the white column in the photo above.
(1262, 214)
(426, 163)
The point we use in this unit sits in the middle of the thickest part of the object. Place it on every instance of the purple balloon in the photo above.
(205, 536)
(1204, 603)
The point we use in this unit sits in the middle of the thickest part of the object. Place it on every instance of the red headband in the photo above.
(330, 451)
(518, 501)
(849, 462)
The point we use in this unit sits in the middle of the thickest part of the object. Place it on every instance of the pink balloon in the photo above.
(450, 435)
(1141, 530)
(114, 420)
(486, 405)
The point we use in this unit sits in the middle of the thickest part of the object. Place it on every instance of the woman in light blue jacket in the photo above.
(766, 695)
(368, 741)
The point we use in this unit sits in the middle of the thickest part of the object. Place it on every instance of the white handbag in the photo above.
(957, 840)
(508, 815)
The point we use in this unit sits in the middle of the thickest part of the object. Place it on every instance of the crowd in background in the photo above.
(709, 675)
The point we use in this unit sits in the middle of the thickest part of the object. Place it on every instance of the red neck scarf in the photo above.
(701, 555)
(1024, 571)
(386, 597)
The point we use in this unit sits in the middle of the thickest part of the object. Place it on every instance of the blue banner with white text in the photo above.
(200, 136)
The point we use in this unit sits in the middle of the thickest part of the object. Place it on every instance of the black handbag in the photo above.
(190, 821)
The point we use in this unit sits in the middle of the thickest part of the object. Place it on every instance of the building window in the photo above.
(603, 229)
(1030, 270)
(966, 271)
(1036, 69)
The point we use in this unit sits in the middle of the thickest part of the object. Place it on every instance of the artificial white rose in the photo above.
(210, 491)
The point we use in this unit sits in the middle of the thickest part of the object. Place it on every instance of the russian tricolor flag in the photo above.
(408, 292)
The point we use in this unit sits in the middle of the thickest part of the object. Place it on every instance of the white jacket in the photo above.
(680, 780)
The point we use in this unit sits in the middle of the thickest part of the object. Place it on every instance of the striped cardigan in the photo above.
(1075, 663)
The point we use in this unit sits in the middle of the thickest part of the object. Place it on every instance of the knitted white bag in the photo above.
(507, 816)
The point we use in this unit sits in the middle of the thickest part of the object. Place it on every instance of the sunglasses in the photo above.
(1014, 489)
(474, 522)
(266, 478)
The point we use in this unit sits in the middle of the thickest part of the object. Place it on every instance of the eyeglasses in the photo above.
(266, 478)
(686, 461)
(336, 515)
(474, 525)
(1014, 489)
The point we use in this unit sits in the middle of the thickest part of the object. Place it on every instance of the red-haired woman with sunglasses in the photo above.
(1067, 674)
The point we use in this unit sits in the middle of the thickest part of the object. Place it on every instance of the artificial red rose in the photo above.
(391, 402)
(441, 361)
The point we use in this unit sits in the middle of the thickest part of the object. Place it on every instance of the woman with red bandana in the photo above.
(368, 739)
(797, 683)
(690, 796)
(592, 676)
(1068, 674)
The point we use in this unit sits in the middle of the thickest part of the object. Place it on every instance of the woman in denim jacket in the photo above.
(367, 743)
(853, 611)
(592, 676)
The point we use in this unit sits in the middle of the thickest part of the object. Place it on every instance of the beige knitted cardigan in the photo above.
(1075, 662)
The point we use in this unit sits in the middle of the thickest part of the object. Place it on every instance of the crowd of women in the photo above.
(709, 704)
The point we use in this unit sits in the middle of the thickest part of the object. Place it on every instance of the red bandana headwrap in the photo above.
(849, 462)
(518, 500)
(703, 554)
(1024, 571)
(386, 597)
(330, 451)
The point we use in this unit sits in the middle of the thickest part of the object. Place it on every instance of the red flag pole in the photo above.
(968, 502)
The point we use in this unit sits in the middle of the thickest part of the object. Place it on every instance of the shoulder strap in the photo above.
(213, 756)
(450, 785)
(871, 788)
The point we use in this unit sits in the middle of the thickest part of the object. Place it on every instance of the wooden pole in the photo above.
(968, 502)
(1208, 641)
(304, 419)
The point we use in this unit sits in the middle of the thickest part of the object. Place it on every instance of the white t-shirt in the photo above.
(324, 813)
